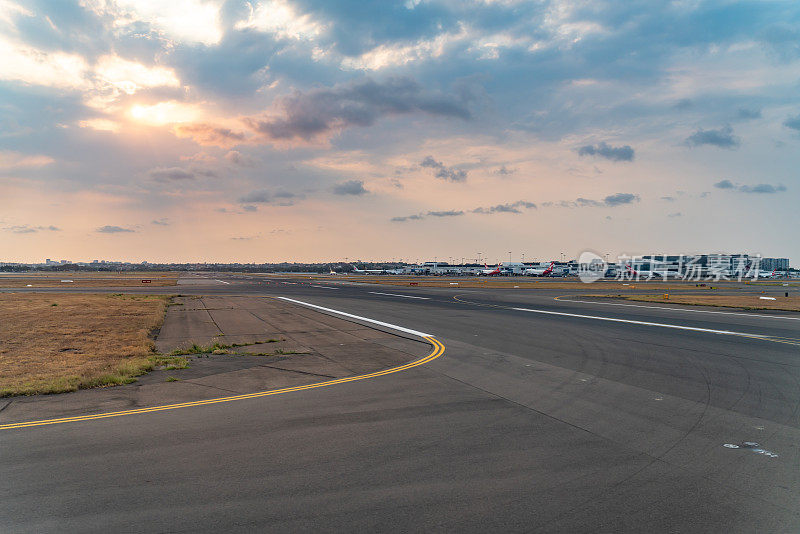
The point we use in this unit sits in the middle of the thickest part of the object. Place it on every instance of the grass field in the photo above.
(82, 279)
(748, 302)
(52, 343)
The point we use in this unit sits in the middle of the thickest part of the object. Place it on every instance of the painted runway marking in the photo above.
(365, 319)
(397, 295)
(679, 309)
(644, 323)
(438, 350)
(324, 287)
(222, 282)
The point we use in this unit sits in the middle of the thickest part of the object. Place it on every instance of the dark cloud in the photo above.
(604, 150)
(668, 199)
(261, 197)
(449, 213)
(170, 174)
(444, 172)
(320, 111)
(762, 188)
(25, 229)
(407, 218)
(237, 158)
(619, 199)
(110, 229)
(350, 187)
(279, 198)
(160, 222)
(793, 123)
(207, 134)
(511, 207)
(748, 114)
(758, 188)
(417, 217)
(504, 171)
(722, 138)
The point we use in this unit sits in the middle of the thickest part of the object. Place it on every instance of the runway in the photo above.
(543, 415)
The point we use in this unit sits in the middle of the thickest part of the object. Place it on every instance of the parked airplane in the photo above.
(367, 271)
(540, 272)
(376, 271)
(764, 274)
(490, 271)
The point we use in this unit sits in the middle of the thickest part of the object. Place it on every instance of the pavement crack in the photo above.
(209, 386)
(6, 405)
(296, 371)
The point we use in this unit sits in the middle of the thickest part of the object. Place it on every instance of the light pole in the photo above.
(509, 256)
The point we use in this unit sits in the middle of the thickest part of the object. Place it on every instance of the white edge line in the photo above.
(365, 319)
(645, 323)
(222, 281)
(325, 287)
(397, 295)
(740, 314)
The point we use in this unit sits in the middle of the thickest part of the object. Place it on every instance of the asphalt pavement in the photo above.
(543, 415)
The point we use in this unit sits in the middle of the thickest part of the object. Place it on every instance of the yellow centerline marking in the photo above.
(438, 350)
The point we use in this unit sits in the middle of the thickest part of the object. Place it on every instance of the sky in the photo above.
(323, 130)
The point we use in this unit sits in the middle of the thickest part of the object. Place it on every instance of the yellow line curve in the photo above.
(438, 350)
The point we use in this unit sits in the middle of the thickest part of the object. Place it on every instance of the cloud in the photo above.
(503, 171)
(160, 222)
(618, 199)
(762, 188)
(722, 138)
(350, 187)
(25, 229)
(668, 199)
(170, 174)
(449, 213)
(442, 171)
(748, 114)
(210, 135)
(16, 160)
(793, 123)
(109, 229)
(407, 218)
(676, 214)
(611, 201)
(512, 207)
(237, 158)
(279, 198)
(261, 197)
(758, 188)
(420, 216)
(604, 150)
(318, 112)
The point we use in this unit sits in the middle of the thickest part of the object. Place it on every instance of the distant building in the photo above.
(772, 264)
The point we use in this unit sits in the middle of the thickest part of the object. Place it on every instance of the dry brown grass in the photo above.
(82, 279)
(52, 343)
(748, 302)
